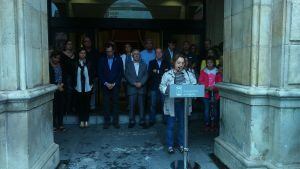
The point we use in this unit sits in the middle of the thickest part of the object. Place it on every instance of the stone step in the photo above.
(98, 119)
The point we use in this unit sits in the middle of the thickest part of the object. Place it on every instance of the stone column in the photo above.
(260, 105)
(26, 136)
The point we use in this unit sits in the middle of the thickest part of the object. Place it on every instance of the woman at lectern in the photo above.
(174, 108)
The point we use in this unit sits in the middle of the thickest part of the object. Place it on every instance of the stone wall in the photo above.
(286, 44)
(260, 105)
(26, 135)
(24, 44)
(3, 133)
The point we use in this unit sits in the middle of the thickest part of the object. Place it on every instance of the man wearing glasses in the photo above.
(110, 71)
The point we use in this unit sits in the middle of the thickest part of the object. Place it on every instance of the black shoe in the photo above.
(62, 128)
(171, 150)
(181, 149)
(151, 124)
(142, 124)
(145, 126)
(131, 125)
(105, 126)
(117, 126)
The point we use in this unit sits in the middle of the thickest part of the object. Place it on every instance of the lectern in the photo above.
(185, 91)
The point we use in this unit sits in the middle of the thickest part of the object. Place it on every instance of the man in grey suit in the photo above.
(136, 75)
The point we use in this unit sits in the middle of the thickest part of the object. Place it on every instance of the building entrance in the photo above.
(121, 29)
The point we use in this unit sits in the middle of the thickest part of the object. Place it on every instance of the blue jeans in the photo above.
(207, 116)
(155, 98)
(179, 118)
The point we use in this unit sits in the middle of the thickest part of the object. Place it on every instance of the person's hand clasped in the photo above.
(60, 87)
(110, 86)
(138, 84)
(209, 88)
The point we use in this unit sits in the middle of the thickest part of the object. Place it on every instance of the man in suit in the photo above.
(136, 75)
(186, 51)
(170, 51)
(156, 69)
(110, 72)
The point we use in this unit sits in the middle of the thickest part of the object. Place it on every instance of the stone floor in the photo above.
(137, 148)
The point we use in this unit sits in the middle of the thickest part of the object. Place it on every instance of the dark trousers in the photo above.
(111, 98)
(124, 86)
(83, 105)
(133, 99)
(69, 96)
(58, 109)
(208, 116)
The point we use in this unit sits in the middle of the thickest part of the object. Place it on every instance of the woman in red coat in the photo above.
(209, 76)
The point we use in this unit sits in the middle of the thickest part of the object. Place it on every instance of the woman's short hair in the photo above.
(66, 42)
(176, 57)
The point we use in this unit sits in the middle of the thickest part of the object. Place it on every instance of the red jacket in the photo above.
(203, 79)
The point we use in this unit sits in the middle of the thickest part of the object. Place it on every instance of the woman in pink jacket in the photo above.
(209, 76)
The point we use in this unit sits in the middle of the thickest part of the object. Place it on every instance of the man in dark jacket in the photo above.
(136, 76)
(157, 68)
(110, 70)
(170, 51)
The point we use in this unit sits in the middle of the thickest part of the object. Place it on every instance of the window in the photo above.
(128, 9)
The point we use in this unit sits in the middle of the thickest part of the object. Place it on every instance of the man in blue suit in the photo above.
(110, 71)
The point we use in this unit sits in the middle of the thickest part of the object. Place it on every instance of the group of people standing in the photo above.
(146, 76)
(74, 73)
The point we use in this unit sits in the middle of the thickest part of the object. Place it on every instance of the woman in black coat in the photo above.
(83, 83)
